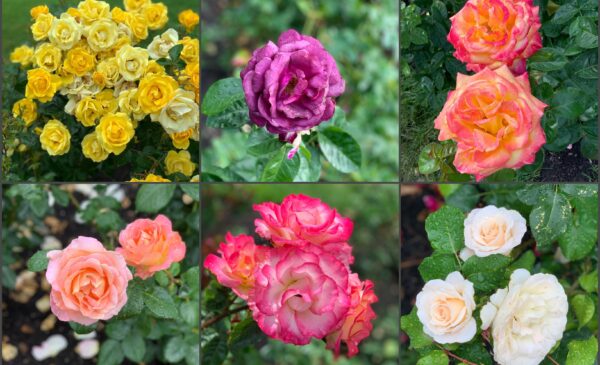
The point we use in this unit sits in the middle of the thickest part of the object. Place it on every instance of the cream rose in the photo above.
(65, 32)
(492, 230)
(102, 34)
(160, 45)
(445, 308)
(180, 114)
(132, 62)
(527, 318)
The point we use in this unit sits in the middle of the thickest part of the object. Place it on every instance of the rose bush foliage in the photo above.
(512, 277)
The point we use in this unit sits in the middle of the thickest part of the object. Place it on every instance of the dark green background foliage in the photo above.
(145, 153)
(374, 210)
(563, 74)
(363, 38)
(558, 216)
(160, 320)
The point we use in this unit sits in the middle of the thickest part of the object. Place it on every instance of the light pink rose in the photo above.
(357, 325)
(239, 259)
(300, 294)
(88, 282)
(301, 219)
(150, 245)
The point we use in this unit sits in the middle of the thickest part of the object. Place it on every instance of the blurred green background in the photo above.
(375, 242)
(363, 38)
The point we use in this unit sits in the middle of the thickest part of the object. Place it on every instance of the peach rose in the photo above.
(150, 245)
(88, 282)
(495, 121)
(235, 268)
(494, 33)
(492, 230)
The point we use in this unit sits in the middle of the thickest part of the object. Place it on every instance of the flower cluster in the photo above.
(526, 319)
(89, 283)
(301, 287)
(492, 115)
(91, 56)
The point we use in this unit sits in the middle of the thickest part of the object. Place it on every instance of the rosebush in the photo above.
(103, 90)
(512, 278)
(119, 260)
(436, 39)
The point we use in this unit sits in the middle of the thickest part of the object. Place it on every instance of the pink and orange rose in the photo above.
(150, 245)
(88, 282)
(495, 121)
(494, 33)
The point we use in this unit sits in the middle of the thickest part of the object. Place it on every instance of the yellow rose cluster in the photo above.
(91, 55)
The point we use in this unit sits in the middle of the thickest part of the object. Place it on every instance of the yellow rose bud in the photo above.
(42, 26)
(191, 50)
(55, 138)
(92, 10)
(79, 61)
(118, 15)
(22, 55)
(155, 92)
(136, 5)
(189, 19)
(138, 25)
(181, 140)
(92, 149)
(74, 13)
(151, 178)
(22, 148)
(88, 111)
(37, 10)
(114, 132)
(156, 15)
(132, 62)
(48, 57)
(101, 35)
(26, 109)
(41, 85)
(179, 162)
(65, 32)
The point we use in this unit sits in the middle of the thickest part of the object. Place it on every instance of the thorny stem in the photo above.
(455, 356)
(552, 360)
(209, 322)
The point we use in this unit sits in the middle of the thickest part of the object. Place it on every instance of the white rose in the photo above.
(180, 114)
(160, 45)
(527, 318)
(445, 308)
(492, 230)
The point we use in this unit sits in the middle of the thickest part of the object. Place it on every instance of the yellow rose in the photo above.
(161, 44)
(122, 41)
(154, 68)
(179, 162)
(75, 14)
(190, 78)
(48, 57)
(135, 5)
(155, 92)
(41, 27)
(41, 85)
(118, 15)
(138, 25)
(65, 32)
(101, 35)
(55, 138)
(92, 149)
(191, 50)
(79, 61)
(26, 109)
(151, 178)
(22, 55)
(156, 15)
(132, 62)
(38, 10)
(109, 69)
(88, 111)
(180, 113)
(114, 131)
(92, 10)
(189, 19)
(107, 101)
(181, 140)
(129, 105)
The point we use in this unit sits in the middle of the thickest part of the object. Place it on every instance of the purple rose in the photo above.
(291, 86)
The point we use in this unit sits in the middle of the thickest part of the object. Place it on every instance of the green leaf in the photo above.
(110, 353)
(280, 168)
(589, 282)
(583, 190)
(135, 300)
(531, 194)
(38, 262)
(418, 36)
(413, 327)
(569, 102)
(151, 198)
(192, 356)
(261, 143)
(548, 59)
(550, 219)
(584, 308)
(193, 190)
(475, 352)
(428, 163)
(134, 347)
(235, 116)
(175, 51)
(189, 313)
(118, 329)
(82, 329)
(108, 220)
(488, 281)
(222, 95)
(526, 261)
(61, 196)
(161, 278)
(435, 357)
(191, 277)
(244, 334)
(564, 14)
(340, 149)
(310, 169)
(476, 264)
(445, 229)
(581, 235)
(214, 352)
(582, 352)
(438, 266)
(465, 197)
(175, 349)
(160, 303)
